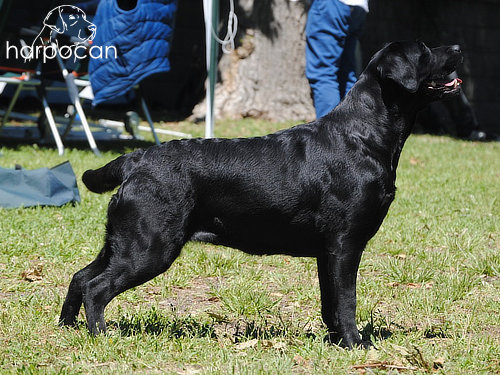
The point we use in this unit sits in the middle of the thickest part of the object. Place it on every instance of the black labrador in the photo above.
(318, 190)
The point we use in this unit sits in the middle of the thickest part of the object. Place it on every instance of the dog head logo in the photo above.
(72, 21)
(66, 20)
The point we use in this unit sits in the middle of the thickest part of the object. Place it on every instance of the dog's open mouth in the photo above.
(444, 85)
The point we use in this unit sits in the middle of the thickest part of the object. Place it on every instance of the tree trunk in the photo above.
(265, 76)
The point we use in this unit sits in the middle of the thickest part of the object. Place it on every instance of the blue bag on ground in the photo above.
(39, 187)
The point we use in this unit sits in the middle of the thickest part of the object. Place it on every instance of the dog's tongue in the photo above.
(454, 83)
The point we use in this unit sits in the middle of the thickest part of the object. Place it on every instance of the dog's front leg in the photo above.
(337, 277)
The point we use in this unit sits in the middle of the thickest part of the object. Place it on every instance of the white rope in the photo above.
(232, 28)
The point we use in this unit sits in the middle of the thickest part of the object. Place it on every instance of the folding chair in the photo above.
(24, 81)
(31, 80)
(80, 89)
(75, 100)
(76, 88)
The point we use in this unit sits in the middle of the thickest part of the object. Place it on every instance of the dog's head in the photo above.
(416, 68)
(72, 21)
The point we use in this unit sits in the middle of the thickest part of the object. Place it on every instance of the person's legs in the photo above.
(347, 74)
(326, 32)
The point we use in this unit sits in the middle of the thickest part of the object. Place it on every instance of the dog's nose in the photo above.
(91, 30)
(454, 49)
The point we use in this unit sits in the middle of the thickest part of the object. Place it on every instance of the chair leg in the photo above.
(53, 126)
(69, 124)
(11, 105)
(145, 109)
(149, 119)
(74, 97)
(86, 127)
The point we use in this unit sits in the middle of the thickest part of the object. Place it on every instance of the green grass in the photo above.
(428, 291)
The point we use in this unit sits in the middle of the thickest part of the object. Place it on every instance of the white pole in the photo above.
(210, 11)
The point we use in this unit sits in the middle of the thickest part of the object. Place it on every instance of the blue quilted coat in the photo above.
(142, 37)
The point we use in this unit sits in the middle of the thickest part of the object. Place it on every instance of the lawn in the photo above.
(428, 290)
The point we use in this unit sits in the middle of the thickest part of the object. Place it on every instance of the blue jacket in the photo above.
(142, 38)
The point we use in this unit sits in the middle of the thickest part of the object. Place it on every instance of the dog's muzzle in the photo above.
(445, 84)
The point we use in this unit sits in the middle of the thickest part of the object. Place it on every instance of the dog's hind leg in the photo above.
(145, 234)
(73, 300)
(123, 273)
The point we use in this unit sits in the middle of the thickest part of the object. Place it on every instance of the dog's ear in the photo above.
(401, 68)
(54, 21)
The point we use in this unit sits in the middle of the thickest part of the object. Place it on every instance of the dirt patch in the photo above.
(193, 300)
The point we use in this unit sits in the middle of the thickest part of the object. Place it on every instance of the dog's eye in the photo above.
(423, 46)
(71, 17)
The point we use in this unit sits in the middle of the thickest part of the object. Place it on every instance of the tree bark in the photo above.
(264, 77)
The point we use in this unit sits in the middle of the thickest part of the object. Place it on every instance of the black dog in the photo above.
(318, 190)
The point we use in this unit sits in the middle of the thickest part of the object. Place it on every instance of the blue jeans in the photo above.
(332, 32)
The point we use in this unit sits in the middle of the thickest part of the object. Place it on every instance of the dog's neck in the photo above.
(379, 116)
(44, 35)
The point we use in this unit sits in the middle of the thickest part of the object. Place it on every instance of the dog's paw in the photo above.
(67, 322)
(363, 344)
(347, 343)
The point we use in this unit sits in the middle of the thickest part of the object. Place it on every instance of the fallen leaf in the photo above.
(154, 290)
(428, 285)
(280, 345)
(190, 370)
(33, 274)
(413, 285)
(266, 344)
(247, 344)
(438, 363)
(218, 317)
(420, 285)
(301, 361)
(383, 366)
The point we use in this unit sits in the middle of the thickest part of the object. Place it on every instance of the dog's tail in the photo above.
(112, 174)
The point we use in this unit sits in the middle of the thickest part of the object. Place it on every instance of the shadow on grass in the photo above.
(375, 331)
(172, 326)
(155, 323)
(262, 330)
